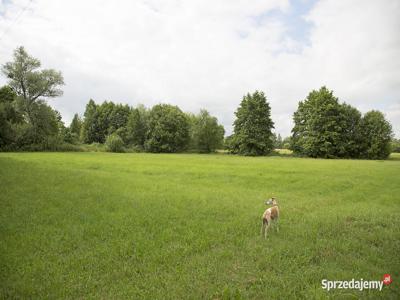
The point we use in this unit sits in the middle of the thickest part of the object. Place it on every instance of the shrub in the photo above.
(114, 143)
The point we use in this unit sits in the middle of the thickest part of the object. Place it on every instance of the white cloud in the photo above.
(209, 53)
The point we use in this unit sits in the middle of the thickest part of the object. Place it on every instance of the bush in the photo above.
(114, 143)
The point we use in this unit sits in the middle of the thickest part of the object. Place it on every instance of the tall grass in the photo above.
(148, 226)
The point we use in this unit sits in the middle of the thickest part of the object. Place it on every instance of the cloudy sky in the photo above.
(209, 53)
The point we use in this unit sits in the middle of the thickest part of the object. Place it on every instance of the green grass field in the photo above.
(187, 226)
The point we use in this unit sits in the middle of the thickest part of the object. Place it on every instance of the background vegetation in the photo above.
(323, 127)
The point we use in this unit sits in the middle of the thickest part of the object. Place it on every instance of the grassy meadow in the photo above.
(187, 226)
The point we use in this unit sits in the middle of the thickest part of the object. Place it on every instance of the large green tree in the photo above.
(90, 131)
(206, 134)
(252, 127)
(40, 124)
(45, 132)
(376, 135)
(168, 129)
(318, 124)
(30, 82)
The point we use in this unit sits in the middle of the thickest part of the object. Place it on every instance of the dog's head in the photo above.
(271, 201)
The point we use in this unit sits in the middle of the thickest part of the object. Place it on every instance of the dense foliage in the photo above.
(323, 127)
(206, 134)
(168, 129)
(376, 135)
(252, 127)
(137, 126)
(9, 116)
(26, 121)
(103, 120)
(164, 128)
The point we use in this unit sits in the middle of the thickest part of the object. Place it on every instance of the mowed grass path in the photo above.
(147, 226)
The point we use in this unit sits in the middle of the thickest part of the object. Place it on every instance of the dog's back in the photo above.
(274, 212)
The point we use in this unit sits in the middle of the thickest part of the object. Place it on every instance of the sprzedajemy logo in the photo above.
(356, 284)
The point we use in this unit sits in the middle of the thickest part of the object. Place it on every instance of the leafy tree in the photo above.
(137, 126)
(377, 134)
(325, 128)
(253, 125)
(68, 136)
(112, 117)
(76, 125)
(317, 125)
(30, 83)
(168, 129)
(45, 131)
(8, 116)
(39, 125)
(350, 141)
(206, 133)
(103, 120)
(192, 120)
(90, 132)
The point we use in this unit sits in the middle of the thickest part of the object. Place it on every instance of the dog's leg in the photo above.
(266, 231)
(262, 228)
(267, 223)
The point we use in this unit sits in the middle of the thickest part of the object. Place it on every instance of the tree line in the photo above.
(323, 127)
(163, 128)
(27, 122)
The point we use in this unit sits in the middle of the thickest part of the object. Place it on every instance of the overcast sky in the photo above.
(209, 53)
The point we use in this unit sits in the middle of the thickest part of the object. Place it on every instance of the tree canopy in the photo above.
(137, 126)
(252, 127)
(29, 82)
(323, 127)
(27, 122)
(168, 129)
(376, 135)
(206, 134)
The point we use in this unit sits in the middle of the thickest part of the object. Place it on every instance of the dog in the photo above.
(270, 215)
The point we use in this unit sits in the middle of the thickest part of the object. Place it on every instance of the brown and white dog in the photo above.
(270, 215)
